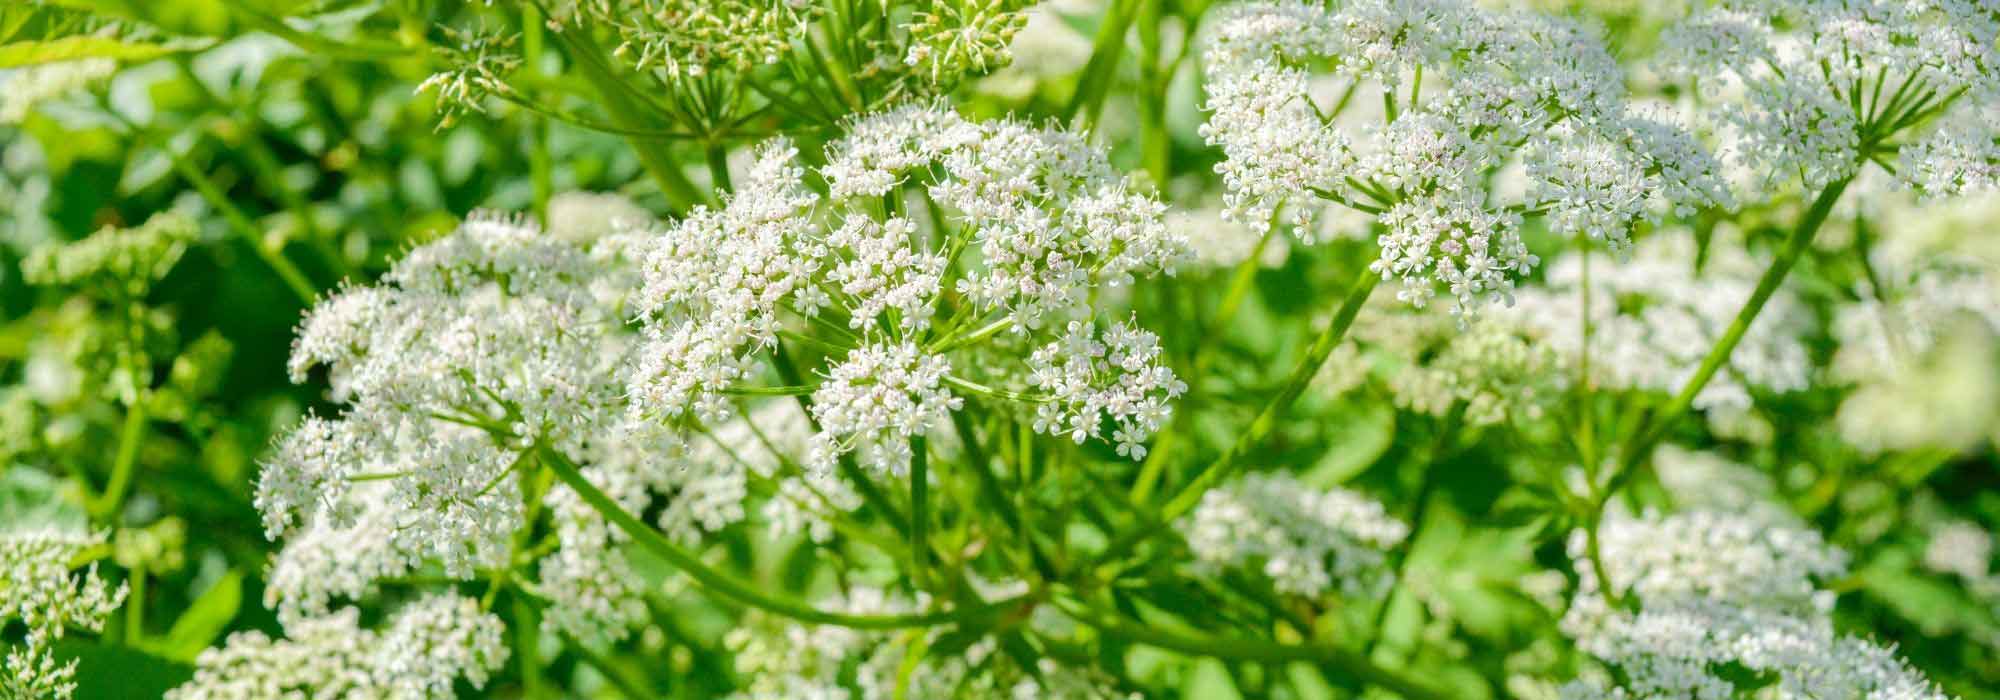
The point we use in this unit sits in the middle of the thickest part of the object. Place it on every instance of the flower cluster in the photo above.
(483, 343)
(1089, 380)
(691, 39)
(1652, 320)
(1490, 371)
(119, 258)
(42, 593)
(1815, 90)
(1026, 229)
(1466, 93)
(26, 88)
(424, 648)
(1715, 595)
(483, 348)
(1308, 541)
(875, 400)
(925, 45)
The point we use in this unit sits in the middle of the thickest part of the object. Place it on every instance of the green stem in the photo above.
(1107, 50)
(994, 493)
(729, 586)
(718, 166)
(771, 390)
(920, 509)
(954, 341)
(1259, 650)
(526, 631)
(135, 608)
(1232, 299)
(1154, 141)
(125, 462)
(539, 164)
(1267, 420)
(626, 113)
(240, 223)
(870, 493)
(626, 686)
(1801, 240)
(266, 167)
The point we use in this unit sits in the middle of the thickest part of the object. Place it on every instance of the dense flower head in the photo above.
(48, 599)
(1702, 480)
(1816, 90)
(878, 398)
(426, 646)
(1013, 234)
(1654, 317)
(1310, 542)
(1467, 93)
(1709, 555)
(1491, 370)
(479, 348)
(1713, 596)
(1705, 650)
(1091, 378)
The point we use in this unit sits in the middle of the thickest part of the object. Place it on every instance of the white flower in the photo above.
(1654, 318)
(1716, 596)
(1700, 650)
(1962, 156)
(1706, 555)
(1443, 240)
(1309, 542)
(480, 349)
(1012, 235)
(427, 645)
(25, 88)
(1814, 90)
(40, 591)
(1491, 369)
(1960, 547)
(377, 494)
(715, 282)
(875, 400)
(1090, 381)
(1467, 93)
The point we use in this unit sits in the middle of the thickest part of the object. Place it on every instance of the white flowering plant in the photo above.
(1419, 349)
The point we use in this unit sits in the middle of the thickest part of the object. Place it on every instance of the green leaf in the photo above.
(1357, 436)
(107, 672)
(71, 48)
(1210, 681)
(204, 620)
